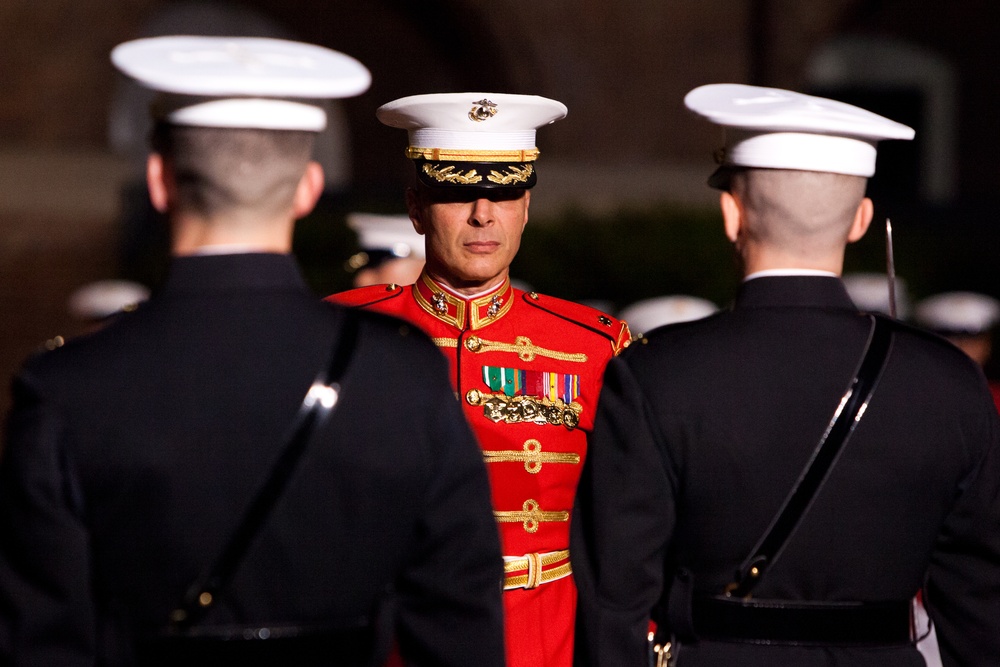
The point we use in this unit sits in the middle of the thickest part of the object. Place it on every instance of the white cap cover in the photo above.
(870, 292)
(472, 124)
(958, 313)
(97, 300)
(644, 316)
(779, 129)
(481, 140)
(251, 82)
(393, 233)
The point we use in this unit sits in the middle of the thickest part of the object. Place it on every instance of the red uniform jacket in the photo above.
(527, 369)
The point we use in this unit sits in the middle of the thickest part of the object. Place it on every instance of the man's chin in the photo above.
(477, 280)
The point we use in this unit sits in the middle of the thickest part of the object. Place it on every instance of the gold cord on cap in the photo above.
(457, 155)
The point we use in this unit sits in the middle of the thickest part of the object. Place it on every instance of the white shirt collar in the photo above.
(227, 249)
(790, 272)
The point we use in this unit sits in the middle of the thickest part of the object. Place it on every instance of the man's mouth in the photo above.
(482, 246)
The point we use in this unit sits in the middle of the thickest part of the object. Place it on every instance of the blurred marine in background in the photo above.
(390, 250)
(211, 479)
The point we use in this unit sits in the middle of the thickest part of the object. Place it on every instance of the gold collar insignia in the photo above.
(463, 313)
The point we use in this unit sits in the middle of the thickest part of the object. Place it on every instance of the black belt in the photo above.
(801, 623)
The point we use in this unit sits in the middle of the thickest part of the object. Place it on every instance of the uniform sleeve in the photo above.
(963, 588)
(621, 523)
(45, 596)
(449, 597)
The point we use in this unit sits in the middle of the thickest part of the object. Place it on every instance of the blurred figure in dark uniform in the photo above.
(870, 293)
(648, 314)
(775, 483)
(156, 503)
(967, 319)
(96, 304)
(390, 250)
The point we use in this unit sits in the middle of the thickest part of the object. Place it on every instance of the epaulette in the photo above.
(615, 330)
(361, 297)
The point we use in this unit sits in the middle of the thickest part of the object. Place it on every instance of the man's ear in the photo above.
(156, 183)
(308, 191)
(862, 219)
(732, 215)
(414, 210)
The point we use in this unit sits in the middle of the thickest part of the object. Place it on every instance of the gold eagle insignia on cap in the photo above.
(483, 110)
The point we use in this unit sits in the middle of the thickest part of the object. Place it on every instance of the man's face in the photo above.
(472, 235)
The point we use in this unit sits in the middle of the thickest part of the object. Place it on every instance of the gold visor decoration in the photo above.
(506, 178)
(449, 175)
(461, 155)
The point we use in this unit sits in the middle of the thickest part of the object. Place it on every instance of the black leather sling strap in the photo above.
(817, 469)
(736, 616)
(316, 408)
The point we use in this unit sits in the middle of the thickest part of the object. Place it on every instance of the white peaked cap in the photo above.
(476, 122)
(958, 313)
(870, 292)
(393, 233)
(241, 82)
(772, 128)
(97, 300)
(644, 316)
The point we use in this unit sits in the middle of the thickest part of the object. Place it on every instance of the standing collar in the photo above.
(794, 291)
(460, 312)
(215, 273)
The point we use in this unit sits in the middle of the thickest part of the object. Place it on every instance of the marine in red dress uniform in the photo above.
(526, 367)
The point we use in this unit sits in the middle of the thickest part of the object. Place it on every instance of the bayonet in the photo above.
(890, 267)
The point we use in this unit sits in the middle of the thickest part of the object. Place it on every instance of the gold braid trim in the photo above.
(445, 342)
(536, 577)
(534, 569)
(531, 516)
(524, 349)
(517, 564)
(456, 155)
(532, 456)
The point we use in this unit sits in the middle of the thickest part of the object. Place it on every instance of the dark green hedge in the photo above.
(639, 253)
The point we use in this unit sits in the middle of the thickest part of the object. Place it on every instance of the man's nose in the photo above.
(482, 212)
